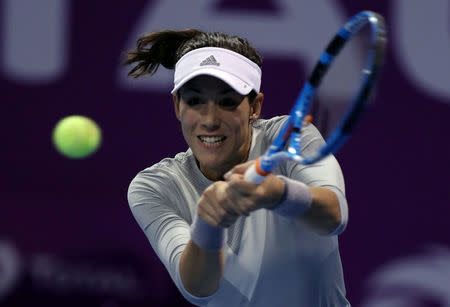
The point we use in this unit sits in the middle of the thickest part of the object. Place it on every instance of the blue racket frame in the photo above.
(290, 134)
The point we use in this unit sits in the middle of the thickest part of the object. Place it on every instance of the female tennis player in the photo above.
(223, 240)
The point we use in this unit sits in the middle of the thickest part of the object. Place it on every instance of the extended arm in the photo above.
(201, 270)
(203, 261)
(196, 272)
(318, 208)
(323, 216)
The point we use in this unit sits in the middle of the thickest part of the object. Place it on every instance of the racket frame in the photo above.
(290, 134)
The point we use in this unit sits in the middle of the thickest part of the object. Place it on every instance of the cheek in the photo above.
(188, 121)
(241, 127)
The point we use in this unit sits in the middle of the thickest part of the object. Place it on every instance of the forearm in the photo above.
(201, 270)
(323, 216)
(202, 262)
(317, 208)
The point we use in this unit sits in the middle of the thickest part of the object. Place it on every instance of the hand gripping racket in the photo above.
(286, 146)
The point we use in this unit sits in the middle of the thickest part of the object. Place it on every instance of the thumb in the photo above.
(238, 169)
(241, 168)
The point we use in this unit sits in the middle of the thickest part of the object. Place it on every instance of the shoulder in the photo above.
(163, 188)
(270, 127)
(270, 124)
(276, 123)
(160, 176)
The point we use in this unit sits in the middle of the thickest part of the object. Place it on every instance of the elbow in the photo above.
(201, 289)
(336, 225)
(201, 292)
(328, 228)
(339, 218)
(330, 225)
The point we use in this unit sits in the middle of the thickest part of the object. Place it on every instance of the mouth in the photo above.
(211, 141)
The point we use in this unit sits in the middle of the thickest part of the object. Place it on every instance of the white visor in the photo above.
(236, 70)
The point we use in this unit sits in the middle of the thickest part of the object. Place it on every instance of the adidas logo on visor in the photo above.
(211, 60)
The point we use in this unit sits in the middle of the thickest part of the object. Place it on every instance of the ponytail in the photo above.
(166, 47)
(163, 50)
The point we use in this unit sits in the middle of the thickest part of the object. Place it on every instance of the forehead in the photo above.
(205, 84)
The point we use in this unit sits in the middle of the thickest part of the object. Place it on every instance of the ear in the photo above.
(176, 105)
(256, 107)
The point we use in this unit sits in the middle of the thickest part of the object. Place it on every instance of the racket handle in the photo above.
(252, 176)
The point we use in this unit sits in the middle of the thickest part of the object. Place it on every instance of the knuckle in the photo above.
(222, 212)
(246, 209)
(221, 199)
(258, 194)
(233, 184)
(249, 205)
(219, 184)
(200, 208)
(212, 187)
(206, 192)
(226, 207)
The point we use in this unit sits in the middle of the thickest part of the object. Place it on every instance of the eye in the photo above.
(193, 101)
(229, 103)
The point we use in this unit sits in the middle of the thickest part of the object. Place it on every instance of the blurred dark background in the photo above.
(67, 236)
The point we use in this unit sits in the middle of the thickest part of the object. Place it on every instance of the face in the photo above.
(215, 121)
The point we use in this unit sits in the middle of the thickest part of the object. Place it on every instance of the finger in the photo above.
(207, 216)
(220, 198)
(239, 201)
(228, 201)
(238, 183)
(241, 168)
(230, 176)
(221, 205)
(223, 216)
(209, 204)
(210, 215)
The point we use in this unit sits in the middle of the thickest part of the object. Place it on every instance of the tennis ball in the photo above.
(76, 136)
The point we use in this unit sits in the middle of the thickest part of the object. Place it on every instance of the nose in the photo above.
(210, 116)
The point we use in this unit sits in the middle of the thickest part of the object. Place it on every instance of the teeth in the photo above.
(211, 139)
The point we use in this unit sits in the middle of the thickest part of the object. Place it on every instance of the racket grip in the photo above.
(252, 176)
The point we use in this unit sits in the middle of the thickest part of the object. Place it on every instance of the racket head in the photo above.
(288, 142)
(367, 78)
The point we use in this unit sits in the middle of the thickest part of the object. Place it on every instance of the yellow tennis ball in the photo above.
(76, 136)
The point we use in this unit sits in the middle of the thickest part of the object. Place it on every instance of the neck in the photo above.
(213, 175)
(216, 173)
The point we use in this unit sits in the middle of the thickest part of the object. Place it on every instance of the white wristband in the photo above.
(207, 236)
(296, 199)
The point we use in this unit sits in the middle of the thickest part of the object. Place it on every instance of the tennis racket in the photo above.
(286, 146)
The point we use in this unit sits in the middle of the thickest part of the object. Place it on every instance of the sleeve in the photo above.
(167, 232)
(326, 173)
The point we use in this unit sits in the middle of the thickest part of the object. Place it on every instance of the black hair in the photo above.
(166, 47)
